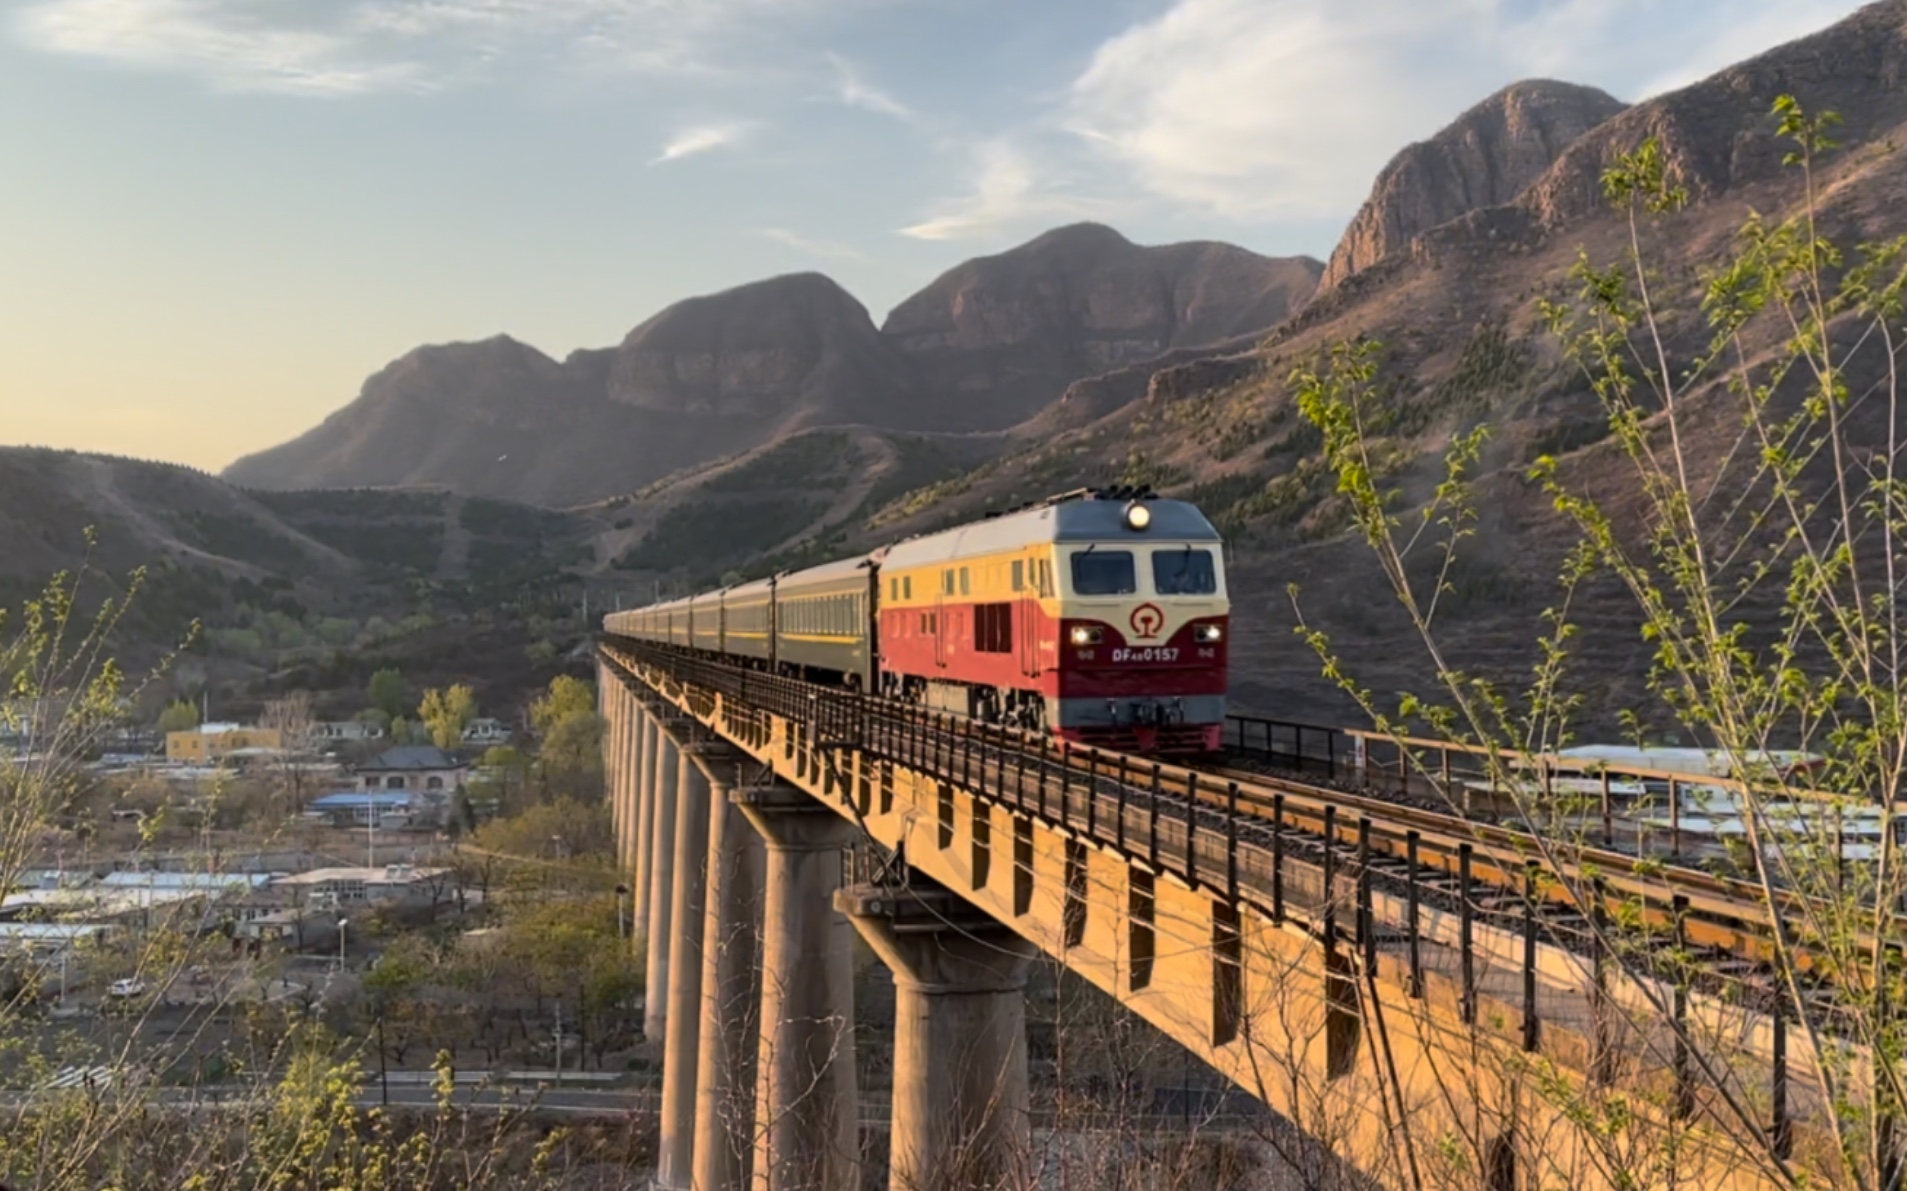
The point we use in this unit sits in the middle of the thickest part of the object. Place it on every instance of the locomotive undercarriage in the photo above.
(991, 705)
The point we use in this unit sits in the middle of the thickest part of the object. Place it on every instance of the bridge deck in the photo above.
(1197, 899)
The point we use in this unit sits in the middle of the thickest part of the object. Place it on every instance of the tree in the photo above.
(572, 756)
(446, 713)
(296, 1119)
(567, 696)
(389, 692)
(180, 715)
(292, 718)
(402, 731)
(1762, 565)
(502, 772)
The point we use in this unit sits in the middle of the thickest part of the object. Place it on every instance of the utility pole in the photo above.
(383, 1070)
(559, 1041)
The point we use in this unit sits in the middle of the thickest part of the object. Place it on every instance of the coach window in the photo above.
(1104, 573)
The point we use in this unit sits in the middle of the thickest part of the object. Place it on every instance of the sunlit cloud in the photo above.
(1240, 108)
(1008, 192)
(706, 138)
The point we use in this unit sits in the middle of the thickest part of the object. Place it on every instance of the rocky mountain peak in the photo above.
(1717, 135)
(1005, 334)
(766, 349)
(1485, 158)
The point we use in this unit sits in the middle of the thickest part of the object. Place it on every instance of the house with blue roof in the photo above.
(360, 808)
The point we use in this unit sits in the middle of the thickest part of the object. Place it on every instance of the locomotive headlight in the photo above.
(1138, 516)
(1208, 633)
(1088, 635)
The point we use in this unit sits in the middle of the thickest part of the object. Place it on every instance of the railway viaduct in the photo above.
(1349, 967)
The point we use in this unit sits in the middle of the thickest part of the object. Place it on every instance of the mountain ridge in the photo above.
(981, 348)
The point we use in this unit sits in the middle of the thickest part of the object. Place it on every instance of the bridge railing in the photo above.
(1442, 895)
(1286, 744)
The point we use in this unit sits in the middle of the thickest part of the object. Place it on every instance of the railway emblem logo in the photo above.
(1146, 621)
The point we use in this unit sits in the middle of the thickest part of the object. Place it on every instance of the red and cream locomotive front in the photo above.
(1143, 622)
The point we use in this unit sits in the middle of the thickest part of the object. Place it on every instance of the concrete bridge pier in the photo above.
(666, 775)
(683, 1028)
(636, 806)
(645, 763)
(807, 1120)
(612, 701)
(731, 991)
(960, 1080)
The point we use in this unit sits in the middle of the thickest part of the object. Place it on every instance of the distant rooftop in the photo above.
(385, 875)
(411, 757)
(184, 880)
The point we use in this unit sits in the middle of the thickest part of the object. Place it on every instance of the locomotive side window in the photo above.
(1184, 572)
(1104, 572)
(993, 628)
(964, 590)
(1019, 574)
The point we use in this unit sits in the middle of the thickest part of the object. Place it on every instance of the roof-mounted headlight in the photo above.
(1138, 516)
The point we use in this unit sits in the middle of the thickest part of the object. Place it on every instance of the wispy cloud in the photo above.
(334, 47)
(1286, 109)
(705, 138)
(856, 92)
(1008, 192)
(811, 245)
(227, 46)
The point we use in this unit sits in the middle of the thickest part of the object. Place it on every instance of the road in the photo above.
(548, 1100)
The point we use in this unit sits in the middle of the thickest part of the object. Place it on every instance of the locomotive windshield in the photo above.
(1104, 572)
(1184, 572)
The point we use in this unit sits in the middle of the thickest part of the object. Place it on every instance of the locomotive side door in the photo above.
(940, 619)
(1026, 615)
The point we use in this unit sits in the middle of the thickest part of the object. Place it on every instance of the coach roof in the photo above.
(1068, 521)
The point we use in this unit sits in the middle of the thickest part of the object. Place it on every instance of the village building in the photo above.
(211, 743)
(422, 768)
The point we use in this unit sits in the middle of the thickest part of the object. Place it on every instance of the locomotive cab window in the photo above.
(1019, 574)
(1184, 571)
(1104, 572)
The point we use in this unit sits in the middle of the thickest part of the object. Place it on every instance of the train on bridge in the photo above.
(1099, 615)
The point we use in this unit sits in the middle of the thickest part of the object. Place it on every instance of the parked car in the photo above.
(129, 987)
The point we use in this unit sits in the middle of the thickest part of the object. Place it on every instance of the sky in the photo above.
(220, 216)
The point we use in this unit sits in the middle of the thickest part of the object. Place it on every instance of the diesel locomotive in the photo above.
(1099, 615)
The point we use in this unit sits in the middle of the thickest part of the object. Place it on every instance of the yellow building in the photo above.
(208, 743)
